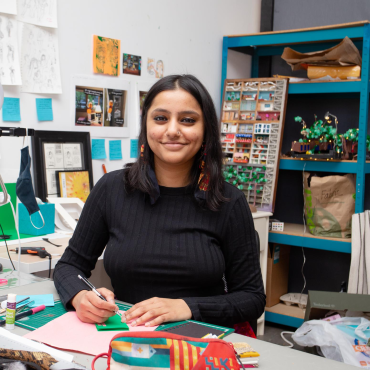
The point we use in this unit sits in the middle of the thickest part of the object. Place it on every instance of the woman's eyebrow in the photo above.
(161, 110)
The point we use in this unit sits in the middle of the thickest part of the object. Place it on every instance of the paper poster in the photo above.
(11, 109)
(98, 107)
(53, 155)
(8, 6)
(38, 12)
(10, 71)
(40, 61)
(115, 150)
(114, 107)
(131, 64)
(142, 96)
(72, 156)
(44, 109)
(106, 55)
(51, 181)
(98, 149)
(74, 184)
(134, 148)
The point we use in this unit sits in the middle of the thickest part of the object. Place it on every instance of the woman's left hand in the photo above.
(156, 311)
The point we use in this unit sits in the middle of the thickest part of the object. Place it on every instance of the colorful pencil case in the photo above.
(139, 350)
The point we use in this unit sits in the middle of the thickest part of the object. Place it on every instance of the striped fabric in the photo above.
(162, 351)
(359, 275)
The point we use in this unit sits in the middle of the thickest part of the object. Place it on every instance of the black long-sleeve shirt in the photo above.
(169, 249)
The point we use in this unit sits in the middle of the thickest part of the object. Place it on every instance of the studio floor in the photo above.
(272, 335)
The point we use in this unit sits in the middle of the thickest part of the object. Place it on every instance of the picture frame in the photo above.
(74, 182)
(44, 164)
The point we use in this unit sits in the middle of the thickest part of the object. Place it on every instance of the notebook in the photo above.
(196, 329)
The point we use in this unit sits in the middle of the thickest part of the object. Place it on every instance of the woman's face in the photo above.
(175, 127)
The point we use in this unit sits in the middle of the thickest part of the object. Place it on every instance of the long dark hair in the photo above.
(136, 175)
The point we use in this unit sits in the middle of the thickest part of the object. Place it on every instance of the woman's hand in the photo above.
(156, 311)
(92, 309)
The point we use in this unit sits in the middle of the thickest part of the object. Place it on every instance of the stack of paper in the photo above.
(247, 354)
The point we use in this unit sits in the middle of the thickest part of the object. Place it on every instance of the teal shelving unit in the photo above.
(308, 40)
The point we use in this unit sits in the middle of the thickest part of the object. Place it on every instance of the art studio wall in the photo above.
(186, 36)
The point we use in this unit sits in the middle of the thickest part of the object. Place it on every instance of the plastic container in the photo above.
(10, 311)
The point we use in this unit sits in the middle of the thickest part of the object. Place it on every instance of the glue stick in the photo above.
(10, 311)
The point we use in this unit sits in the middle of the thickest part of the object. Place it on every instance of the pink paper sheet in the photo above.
(69, 333)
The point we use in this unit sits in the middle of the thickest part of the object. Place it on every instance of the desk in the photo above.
(273, 357)
(40, 266)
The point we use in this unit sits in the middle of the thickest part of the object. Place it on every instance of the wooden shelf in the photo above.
(294, 235)
(285, 315)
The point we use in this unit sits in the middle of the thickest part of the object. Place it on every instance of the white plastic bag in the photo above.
(341, 340)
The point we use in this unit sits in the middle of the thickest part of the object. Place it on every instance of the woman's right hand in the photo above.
(92, 309)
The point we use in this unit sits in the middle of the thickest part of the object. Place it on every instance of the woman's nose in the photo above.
(172, 128)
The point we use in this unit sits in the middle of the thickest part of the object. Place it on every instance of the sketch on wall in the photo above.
(38, 12)
(10, 73)
(40, 64)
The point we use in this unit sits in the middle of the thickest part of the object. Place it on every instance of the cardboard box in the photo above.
(277, 273)
(320, 303)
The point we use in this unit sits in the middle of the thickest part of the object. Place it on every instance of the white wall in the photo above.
(186, 35)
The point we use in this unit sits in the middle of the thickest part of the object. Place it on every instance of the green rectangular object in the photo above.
(113, 323)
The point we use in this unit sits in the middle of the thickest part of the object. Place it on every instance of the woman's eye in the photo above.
(188, 120)
(160, 118)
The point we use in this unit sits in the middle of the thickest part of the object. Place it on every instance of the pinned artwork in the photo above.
(40, 13)
(159, 70)
(151, 66)
(100, 107)
(106, 55)
(131, 64)
(10, 71)
(40, 65)
(253, 113)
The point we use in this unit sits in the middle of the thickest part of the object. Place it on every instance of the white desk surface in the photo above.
(273, 357)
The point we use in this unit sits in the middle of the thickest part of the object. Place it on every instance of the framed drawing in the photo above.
(54, 151)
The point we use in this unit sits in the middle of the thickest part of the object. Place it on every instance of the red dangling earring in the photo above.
(203, 181)
(142, 151)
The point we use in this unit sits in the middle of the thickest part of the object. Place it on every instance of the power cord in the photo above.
(7, 249)
(304, 262)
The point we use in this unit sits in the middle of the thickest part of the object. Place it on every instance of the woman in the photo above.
(172, 227)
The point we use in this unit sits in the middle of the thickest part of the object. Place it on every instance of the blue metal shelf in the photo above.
(325, 87)
(310, 242)
(321, 166)
(289, 38)
(283, 319)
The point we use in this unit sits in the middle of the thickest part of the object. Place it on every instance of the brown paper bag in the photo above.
(330, 204)
(343, 54)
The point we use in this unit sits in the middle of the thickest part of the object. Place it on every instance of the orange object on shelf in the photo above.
(343, 72)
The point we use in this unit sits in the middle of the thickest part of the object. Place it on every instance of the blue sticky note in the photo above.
(11, 109)
(134, 148)
(44, 109)
(98, 149)
(115, 150)
(41, 299)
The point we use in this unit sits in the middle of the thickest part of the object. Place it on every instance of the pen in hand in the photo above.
(96, 292)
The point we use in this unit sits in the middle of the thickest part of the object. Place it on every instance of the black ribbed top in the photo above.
(171, 249)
